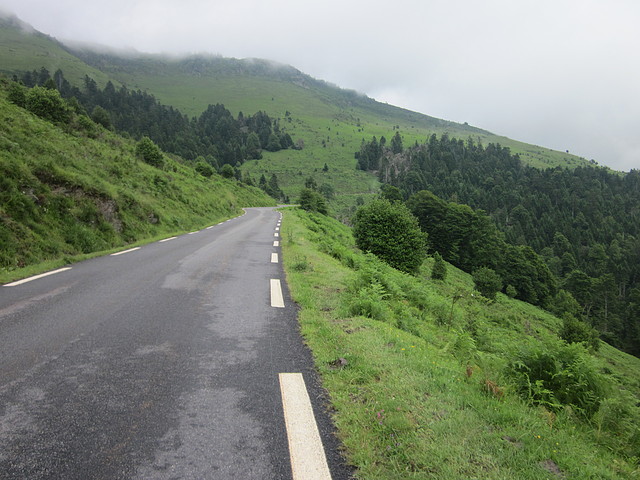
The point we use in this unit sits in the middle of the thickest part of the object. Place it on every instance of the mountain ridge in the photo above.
(189, 83)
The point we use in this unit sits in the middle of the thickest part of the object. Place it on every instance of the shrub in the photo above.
(369, 302)
(439, 269)
(391, 232)
(87, 126)
(47, 104)
(576, 331)
(487, 282)
(563, 303)
(149, 152)
(227, 171)
(559, 376)
(312, 201)
(204, 169)
(17, 94)
(300, 264)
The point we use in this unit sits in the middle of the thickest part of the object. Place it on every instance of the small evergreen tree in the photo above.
(327, 190)
(273, 143)
(396, 143)
(439, 269)
(253, 146)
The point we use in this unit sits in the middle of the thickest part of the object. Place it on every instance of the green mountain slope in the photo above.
(73, 189)
(330, 121)
(22, 48)
(428, 379)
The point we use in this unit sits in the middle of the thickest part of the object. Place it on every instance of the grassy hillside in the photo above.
(429, 380)
(331, 121)
(74, 189)
(22, 49)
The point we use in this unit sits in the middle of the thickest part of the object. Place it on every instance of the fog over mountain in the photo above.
(561, 74)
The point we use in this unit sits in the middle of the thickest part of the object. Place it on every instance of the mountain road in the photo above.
(162, 362)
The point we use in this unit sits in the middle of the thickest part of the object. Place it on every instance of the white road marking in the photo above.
(277, 228)
(167, 239)
(276, 243)
(125, 251)
(209, 228)
(308, 460)
(274, 258)
(276, 234)
(191, 233)
(277, 300)
(35, 277)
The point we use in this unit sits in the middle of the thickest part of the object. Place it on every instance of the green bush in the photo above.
(487, 282)
(204, 169)
(576, 331)
(47, 104)
(559, 376)
(101, 116)
(369, 302)
(391, 232)
(149, 152)
(17, 94)
(312, 201)
(227, 171)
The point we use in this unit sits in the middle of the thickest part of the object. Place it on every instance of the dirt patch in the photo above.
(552, 467)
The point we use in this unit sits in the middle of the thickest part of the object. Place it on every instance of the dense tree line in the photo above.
(584, 223)
(216, 135)
(471, 241)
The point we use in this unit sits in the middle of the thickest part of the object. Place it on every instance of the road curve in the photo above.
(161, 362)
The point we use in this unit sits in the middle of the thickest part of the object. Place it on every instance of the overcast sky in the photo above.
(563, 74)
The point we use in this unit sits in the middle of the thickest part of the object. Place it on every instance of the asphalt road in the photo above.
(158, 363)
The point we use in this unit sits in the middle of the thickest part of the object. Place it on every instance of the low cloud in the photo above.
(559, 74)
